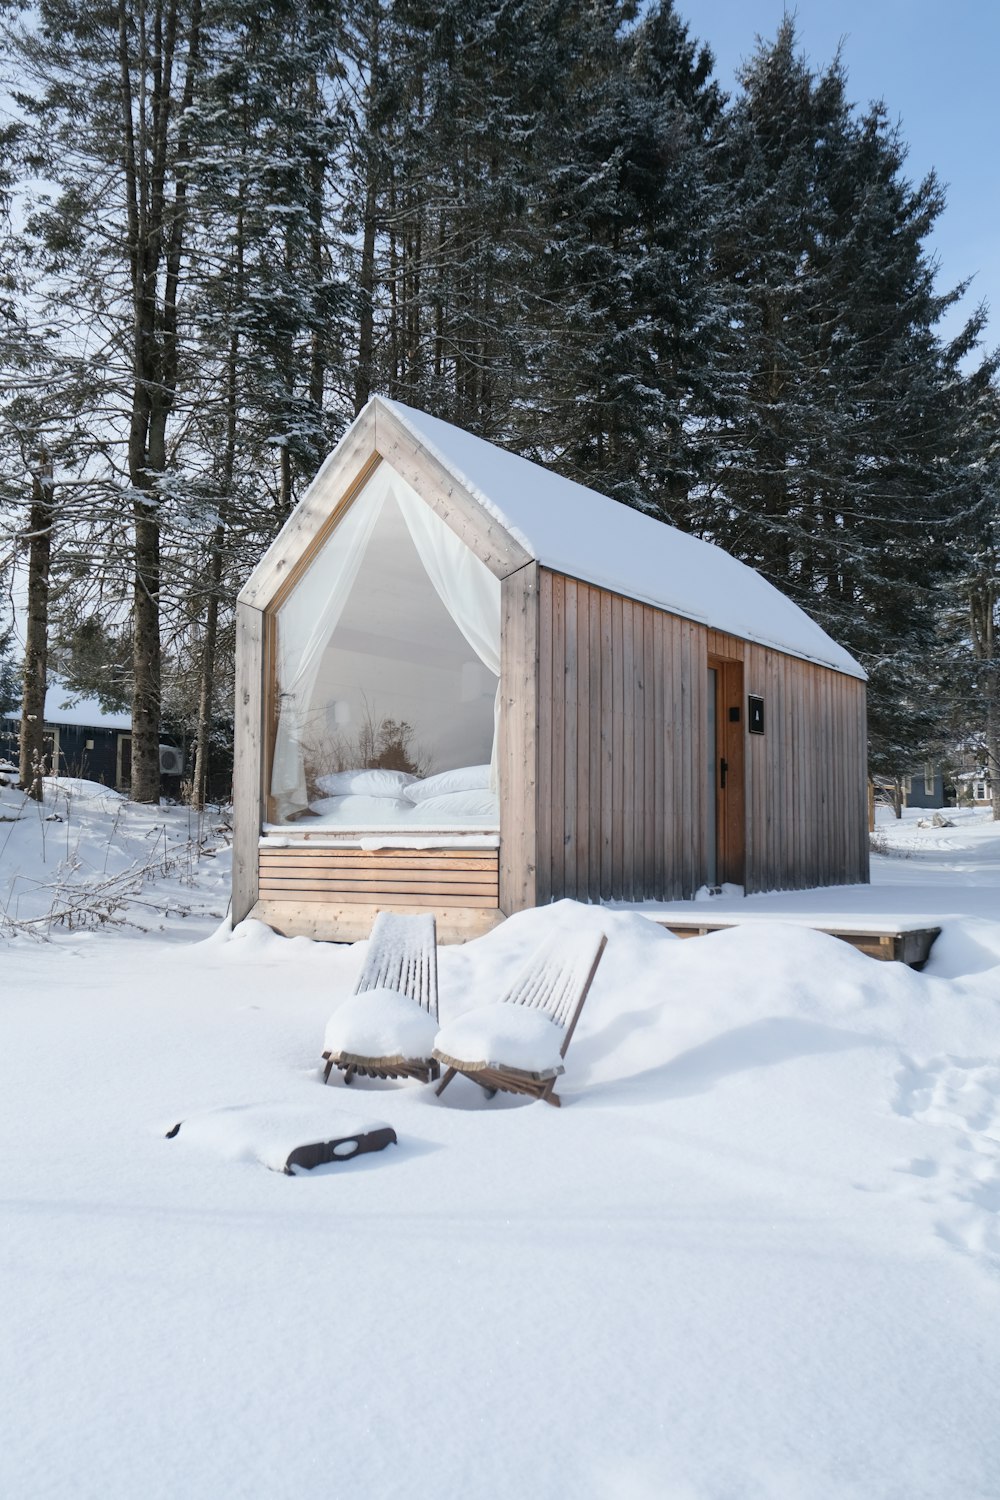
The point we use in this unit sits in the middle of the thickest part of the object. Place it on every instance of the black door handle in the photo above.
(723, 768)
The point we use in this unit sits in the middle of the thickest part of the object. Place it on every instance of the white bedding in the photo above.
(366, 783)
(352, 812)
(379, 812)
(448, 783)
(452, 799)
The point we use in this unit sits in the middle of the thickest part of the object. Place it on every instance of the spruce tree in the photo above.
(837, 469)
(629, 210)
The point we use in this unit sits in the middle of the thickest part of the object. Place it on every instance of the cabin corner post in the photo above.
(518, 731)
(248, 759)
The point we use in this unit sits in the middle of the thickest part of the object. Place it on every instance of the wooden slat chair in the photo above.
(402, 955)
(555, 982)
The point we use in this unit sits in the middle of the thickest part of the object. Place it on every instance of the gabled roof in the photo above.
(524, 511)
(62, 706)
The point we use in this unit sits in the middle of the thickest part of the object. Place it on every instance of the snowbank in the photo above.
(269, 1133)
(87, 857)
(381, 1023)
(754, 1257)
(503, 1036)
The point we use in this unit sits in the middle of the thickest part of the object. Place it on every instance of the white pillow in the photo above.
(457, 807)
(462, 779)
(366, 783)
(357, 810)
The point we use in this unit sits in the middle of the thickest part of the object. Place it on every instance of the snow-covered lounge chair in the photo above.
(387, 1028)
(518, 1043)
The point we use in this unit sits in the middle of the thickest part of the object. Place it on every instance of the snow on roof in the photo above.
(63, 706)
(577, 531)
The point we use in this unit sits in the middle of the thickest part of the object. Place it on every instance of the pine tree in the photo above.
(838, 468)
(966, 666)
(110, 88)
(268, 302)
(627, 375)
(266, 144)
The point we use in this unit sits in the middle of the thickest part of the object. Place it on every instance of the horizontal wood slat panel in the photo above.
(486, 857)
(367, 876)
(393, 872)
(479, 887)
(338, 895)
(350, 923)
(334, 860)
(421, 878)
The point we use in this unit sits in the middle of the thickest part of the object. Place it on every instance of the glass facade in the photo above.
(381, 648)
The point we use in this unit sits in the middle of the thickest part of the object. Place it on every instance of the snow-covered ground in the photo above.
(927, 877)
(757, 1253)
(86, 857)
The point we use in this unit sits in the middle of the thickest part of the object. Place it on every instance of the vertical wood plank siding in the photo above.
(620, 756)
(521, 808)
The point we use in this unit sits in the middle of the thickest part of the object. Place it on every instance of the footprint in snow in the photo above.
(960, 1096)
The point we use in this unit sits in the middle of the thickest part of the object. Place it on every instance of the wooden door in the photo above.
(123, 770)
(726, 831)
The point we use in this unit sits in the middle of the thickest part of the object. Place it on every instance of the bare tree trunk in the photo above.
(364, 374)
(155, 233)
(992, 700)
(207, 682)
(146, 660)
(993, 753)
(366, 303)
(317, 256)
(36, 646)
(982, 624)
(143, 246)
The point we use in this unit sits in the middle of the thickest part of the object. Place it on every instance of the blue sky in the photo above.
(936, 66)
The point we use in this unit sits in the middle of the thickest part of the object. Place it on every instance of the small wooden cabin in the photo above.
(468, 685)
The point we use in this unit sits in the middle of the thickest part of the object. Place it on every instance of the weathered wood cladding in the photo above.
(352, 921)
(806, 784)
(336, 892)
(421, 878)
(603, 755)
(621, 755)
(517, 755)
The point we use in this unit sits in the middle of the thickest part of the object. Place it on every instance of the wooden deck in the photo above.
(907, 945)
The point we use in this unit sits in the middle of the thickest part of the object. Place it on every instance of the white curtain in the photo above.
(465, 586)
(306, 621)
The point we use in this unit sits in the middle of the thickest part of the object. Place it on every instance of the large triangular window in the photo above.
(388, 660)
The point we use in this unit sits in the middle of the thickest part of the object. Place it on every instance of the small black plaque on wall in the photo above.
(755, 715)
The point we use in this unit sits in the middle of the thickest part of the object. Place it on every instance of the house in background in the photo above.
(82, 739)
(470, 686)
(926, 788)
(975, 788)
